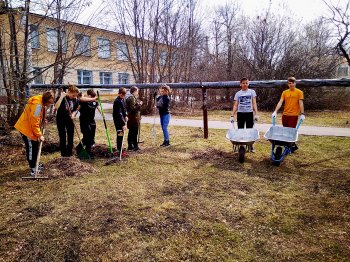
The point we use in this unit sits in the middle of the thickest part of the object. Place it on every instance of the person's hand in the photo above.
(274, 114)
(126, 119)
(302, 117)
(256, 118)
(232, 119)
(45, 122)
(124, 128)
(140, 103)
(41, 139)
(63, 94)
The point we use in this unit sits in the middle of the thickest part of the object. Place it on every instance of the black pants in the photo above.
(89, 131)
(132, 137)
(245, 119)
(32, 148)
(65, 128)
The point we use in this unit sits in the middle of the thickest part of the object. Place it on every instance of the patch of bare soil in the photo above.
(14, 139)
(67, 166)
(210, 155)
(101, 151)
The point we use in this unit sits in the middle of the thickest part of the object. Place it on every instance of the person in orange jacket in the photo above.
(29, 125)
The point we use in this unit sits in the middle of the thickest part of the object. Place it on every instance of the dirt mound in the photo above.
(67, 166)
(12, 139)
(101, 151)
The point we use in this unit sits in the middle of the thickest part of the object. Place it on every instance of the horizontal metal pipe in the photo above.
(344, 82)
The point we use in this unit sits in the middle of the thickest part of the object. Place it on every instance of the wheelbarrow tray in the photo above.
(284, 136)
(244, 136)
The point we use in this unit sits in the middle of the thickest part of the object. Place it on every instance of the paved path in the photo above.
(303, 130)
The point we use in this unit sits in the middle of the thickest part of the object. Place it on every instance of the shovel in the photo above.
(105, 124)
(80, 148)
(36, 174)
(117, 158)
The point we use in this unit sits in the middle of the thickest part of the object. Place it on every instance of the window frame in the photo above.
(34, 36)
(81, 77)
(123, 76)
(102, 76)
(64, 40)
(101, 50)
(82, 44)
(121, 54)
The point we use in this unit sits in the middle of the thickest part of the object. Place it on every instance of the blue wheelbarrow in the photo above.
(279, 137)
(242, 140)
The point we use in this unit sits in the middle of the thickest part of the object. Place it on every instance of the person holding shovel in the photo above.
(29, 125)
(133, 107)
(163, 105)
(245, 106)
(120, 118)
(293, 99)
(66, 105)
(87, 120)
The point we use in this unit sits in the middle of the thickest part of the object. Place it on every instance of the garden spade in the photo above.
(80, 148)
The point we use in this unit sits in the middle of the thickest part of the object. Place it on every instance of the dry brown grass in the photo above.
(191, 201)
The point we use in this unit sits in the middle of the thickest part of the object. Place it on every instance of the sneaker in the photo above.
(165, 143)
(32, 172)
(40, 167)
(130, 148)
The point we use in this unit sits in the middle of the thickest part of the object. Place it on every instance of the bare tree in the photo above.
(340, 19)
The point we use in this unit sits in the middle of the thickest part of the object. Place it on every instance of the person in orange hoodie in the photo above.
(29, 125)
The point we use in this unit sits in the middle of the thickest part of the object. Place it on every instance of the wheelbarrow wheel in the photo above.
(241, 154)
(278, 155)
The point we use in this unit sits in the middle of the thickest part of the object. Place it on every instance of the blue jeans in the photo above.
(164, 121)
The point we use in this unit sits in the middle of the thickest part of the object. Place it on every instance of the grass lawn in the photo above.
(313, 118)
(191, 201)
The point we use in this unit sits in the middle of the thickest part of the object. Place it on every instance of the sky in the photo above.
(304, 9)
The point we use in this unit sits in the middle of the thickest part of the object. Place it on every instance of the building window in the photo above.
(52, 40)
(84, 77)
(150, 55)
(174, 60)
(37, 74)
(137, 56)
(34, 36)
(343, 71)
(106, 78)
(82, 45)
(123, 78)
(122, 52)
(104, 48)
(162, 58)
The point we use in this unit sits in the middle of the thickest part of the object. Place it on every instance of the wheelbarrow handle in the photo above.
(299, 123)
(273, 121)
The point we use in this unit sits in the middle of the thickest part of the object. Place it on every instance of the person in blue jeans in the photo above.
(163, 105)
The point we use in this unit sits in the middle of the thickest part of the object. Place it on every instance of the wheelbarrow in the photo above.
(279, 137)
(242, 140)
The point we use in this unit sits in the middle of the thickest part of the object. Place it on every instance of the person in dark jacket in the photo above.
(119, 116)
(133, 108)
(87, 121)
(163, 105)
(65, 105)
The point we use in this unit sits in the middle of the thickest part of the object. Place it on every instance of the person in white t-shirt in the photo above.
(245, 106)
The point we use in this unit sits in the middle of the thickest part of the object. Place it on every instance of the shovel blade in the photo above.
(81, 152)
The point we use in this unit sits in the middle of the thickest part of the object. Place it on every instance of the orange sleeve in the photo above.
(283, 95)
(301, 95)
(35, 119)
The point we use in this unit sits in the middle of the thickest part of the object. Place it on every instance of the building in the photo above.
(61, 51)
